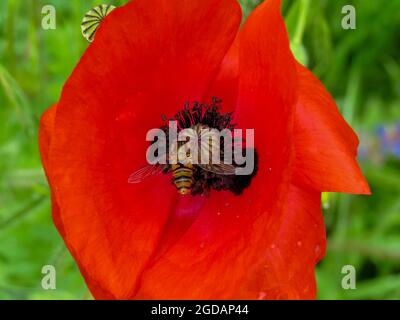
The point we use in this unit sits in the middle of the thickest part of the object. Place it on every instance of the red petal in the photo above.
(148, 57)
(325, 145)
(228, 256)
(267, 87)
(226, 84)
(220, 254)
(297, 241)
(46, 129)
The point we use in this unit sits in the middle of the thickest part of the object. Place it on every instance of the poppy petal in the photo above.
(148, 58)
(325, 145)
(226, 84)
(220, 254)
(296, 244)
(271, 257)
(46, 128)
(267, 85)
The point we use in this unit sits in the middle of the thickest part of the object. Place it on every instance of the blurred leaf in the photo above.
(18, 101)
(373, 289)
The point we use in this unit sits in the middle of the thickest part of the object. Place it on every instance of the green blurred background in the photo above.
(361, 68)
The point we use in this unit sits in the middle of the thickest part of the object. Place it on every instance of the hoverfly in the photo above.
(183, 171)
(91, 21)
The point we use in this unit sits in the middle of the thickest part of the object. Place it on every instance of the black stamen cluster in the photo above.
(206, 114)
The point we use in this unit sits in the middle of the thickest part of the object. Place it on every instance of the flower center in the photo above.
(208, 155)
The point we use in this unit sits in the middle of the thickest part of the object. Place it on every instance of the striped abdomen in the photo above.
(183, 178)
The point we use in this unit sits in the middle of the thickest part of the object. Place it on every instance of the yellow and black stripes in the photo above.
(183, 178)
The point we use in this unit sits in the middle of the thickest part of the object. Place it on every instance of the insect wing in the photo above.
(223, 169)
(144, 173)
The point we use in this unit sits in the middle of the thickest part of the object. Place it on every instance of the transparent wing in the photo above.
(222, 168)
(145, 172)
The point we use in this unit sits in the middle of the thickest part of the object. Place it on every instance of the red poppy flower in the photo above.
(146, 241)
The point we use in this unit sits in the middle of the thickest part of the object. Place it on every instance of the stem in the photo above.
(22, 212)
(10, 33)
(373, 251)
(352, 95)
(302, 21)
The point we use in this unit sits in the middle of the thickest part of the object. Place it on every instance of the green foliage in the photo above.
(361, 68)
